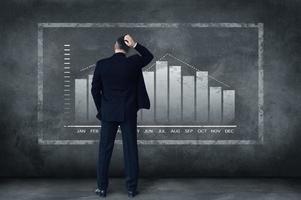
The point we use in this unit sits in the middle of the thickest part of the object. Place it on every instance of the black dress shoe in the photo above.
(101, 192)
(132, 193)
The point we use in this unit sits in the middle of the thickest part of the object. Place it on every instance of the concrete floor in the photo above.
(153, 189)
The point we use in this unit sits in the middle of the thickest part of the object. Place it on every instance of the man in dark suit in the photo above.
(118, 90)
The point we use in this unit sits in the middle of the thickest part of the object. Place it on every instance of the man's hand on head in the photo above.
(129, 41)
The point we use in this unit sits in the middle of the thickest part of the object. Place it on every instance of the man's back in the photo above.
(118, 91)
(116, 83)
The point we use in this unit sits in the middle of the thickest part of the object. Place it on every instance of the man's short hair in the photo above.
(122, 45)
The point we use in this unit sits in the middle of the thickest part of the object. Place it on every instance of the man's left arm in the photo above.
(146, 56)
(96, 88)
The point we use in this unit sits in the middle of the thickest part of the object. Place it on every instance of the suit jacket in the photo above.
(118, 86)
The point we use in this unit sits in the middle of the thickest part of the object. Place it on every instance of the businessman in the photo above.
(118, 90)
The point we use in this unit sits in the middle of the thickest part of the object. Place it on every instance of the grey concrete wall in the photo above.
(280, 154)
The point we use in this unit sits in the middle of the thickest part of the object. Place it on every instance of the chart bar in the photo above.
(91, 105)
(228, 106)
(80, 99)
(215, 113)
(202, 106)
(188, 98)
(149, 115)
(175, 93)
(139, 116)
(161, 91)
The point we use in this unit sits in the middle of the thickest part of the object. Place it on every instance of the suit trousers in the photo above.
(130, 151)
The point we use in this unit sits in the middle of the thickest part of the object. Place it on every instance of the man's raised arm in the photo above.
(145, 55)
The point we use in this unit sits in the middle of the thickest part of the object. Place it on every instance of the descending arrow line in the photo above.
(194, 68)
(85, 68)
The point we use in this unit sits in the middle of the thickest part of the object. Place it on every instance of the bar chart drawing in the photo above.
(197, 97)
(174, 98)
